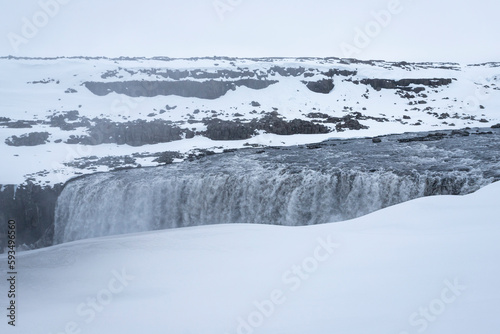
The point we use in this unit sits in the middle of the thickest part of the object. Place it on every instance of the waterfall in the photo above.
(152, 199)
(289, 186)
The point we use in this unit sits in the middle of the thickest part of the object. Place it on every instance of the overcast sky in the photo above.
(413, 30)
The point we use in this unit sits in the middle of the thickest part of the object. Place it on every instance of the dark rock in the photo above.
(351, 124)
(228, 130)
(20, 124)
(376, 140)
(136, 133)
(30, 139)
(32, 207)
(496, 126)
(429, 137)
(482, 133)
(336, 71)
(255, 104)
(317, 115)
(271, 123)
(313, 146)
(235, 130)
(404, 84)
(287, 71)
(323, 86)
(167, 157)
(112, 162)
(75, 121)
(204, 90)
(462, 133)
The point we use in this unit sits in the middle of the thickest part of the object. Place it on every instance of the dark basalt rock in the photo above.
(376, 140)
(496, 126)
(112, 162)
(479, 133)
(204, 90)
(317, 115)
(20, 124)
(136, 133)
(336, 71)
(287, 71)
(273, 124)
(235, 130)
(228, 130)
(351, 124)
(429, 137)
(30, 139)
(351, 121)
(404, 84)
(167, 157)
(462, 133)
(32, 207)
(61, 120)
(323, 86)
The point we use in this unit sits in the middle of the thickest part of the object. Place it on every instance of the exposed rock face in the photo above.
(288, 71)
(336, 71)
(135, 133)
(351, 121)
(30, 139)
(496, 126)
(235, 130)
(204, 90)
(429, 137)
(351, 124)
(19, 124)
(462, 133)
(228, 130)
(404, 84)
(32, 207)
(323, 86)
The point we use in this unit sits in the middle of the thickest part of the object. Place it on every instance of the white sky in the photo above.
(422, 30)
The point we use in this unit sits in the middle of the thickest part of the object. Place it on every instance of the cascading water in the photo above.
(289, 186)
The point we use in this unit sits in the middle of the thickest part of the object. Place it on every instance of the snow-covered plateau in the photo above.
(64, 117)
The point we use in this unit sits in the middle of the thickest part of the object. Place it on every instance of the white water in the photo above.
(151, 199)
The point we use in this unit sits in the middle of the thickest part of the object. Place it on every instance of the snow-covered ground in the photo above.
(35, 90)
(429, 265)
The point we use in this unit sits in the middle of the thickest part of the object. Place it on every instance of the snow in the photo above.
(429, 264)
(23, 100)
